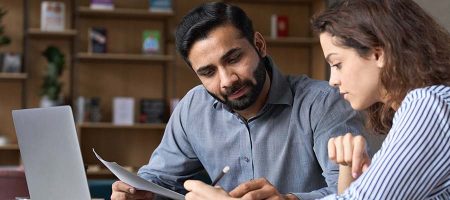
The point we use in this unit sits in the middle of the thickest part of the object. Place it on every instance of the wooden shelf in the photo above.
(104, 125)
(123, 57)
(13, 147)
(123, 13)
(13, 76)
(291, 41)
(38, 33)
(270, 1)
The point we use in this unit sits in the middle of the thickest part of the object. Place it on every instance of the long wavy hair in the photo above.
(416, 47)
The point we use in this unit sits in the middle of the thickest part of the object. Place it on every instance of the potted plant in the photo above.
(4, 40)
(51, 87)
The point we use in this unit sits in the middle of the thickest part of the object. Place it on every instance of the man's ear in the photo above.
(378, 53)
(260, 44)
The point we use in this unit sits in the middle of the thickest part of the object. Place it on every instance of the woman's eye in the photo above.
(338, 66)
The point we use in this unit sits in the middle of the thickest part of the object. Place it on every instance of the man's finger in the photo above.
(123, 187)
(189, 185)
(265, 192)
(248, 186)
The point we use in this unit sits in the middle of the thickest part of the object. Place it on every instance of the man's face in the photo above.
(229, 67)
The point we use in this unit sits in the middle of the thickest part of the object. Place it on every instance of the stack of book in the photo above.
(102, 4)
(160, 6)
(151, 111)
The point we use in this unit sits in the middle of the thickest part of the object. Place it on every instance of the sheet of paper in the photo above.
(138, 182)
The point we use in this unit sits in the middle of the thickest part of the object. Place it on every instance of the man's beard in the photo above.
(250, 98)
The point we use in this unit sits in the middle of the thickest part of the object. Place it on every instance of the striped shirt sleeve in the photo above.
(414, 161)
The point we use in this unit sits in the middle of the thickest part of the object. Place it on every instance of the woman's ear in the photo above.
(260, 44)
(379, 56)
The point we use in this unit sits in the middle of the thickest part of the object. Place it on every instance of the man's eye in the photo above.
(234, 59)
(207, 73)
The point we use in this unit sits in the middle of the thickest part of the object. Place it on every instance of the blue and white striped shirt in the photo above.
(414, 160)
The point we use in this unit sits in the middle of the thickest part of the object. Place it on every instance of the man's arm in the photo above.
(330, 116)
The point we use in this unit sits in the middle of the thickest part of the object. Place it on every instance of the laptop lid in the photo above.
(50, 153)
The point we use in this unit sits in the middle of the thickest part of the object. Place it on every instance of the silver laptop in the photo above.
(51, 154)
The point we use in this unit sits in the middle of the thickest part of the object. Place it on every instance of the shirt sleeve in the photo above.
(174, 160)
(330, 116)
(413, 161)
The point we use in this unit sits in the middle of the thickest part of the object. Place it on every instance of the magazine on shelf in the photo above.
(52, 16)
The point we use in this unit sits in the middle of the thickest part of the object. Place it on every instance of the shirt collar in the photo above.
(280, 91)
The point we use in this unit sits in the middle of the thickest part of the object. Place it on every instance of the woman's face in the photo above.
(356, 77)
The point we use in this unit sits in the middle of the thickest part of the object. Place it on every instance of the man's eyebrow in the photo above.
(328, 57)
(229, 53)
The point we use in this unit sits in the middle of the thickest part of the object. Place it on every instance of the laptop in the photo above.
(51, 154)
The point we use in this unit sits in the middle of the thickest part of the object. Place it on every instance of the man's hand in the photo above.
(349, 150)
(201, 191)
(259, 189)
(123, 191)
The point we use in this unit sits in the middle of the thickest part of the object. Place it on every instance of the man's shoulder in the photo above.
(305, 86)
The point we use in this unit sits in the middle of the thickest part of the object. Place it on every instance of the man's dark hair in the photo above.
(200, 21)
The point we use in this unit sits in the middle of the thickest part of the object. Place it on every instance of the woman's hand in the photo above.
(349, 150)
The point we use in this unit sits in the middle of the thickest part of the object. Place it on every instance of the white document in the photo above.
(138, 182)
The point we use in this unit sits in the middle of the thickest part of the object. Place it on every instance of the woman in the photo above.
(391, 59)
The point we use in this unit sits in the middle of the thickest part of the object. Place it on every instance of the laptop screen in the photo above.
(51, 154)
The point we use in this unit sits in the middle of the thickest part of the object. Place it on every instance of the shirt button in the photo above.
(246, 159)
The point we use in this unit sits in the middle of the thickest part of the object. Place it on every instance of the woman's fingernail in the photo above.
(355, 175)
(132, 190)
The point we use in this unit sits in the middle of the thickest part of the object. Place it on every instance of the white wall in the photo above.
(439, 9)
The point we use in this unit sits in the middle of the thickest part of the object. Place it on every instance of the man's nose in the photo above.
(227, 78)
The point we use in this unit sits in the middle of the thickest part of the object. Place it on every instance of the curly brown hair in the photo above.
(416, 47)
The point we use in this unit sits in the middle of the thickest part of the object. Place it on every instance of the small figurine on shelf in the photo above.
(51, 87)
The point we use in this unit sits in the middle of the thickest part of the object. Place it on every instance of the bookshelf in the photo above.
(124, 70)
(12, 76)
(84, 56)
(38, 33)
(134, 13)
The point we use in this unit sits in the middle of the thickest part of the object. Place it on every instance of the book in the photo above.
(160, 6)
(123, 111)
(151, 41)
(102, 4)
(279, 26)
(10, 62)
(52, 16)
(97, 40)
(151, 111)
(88, 109)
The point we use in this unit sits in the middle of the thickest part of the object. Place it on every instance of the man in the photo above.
(271, 130)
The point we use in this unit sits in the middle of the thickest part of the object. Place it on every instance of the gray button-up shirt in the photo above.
(286, 142)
